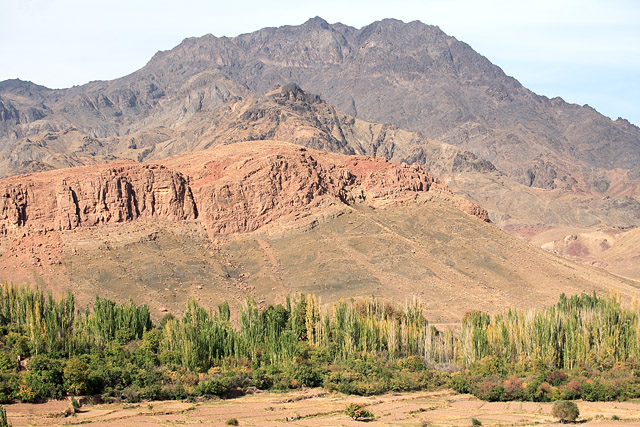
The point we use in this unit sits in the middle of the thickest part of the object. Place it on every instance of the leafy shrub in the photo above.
(354, 383)
(232, 422)
(513, 388)
(131, 394)
(358, 412)
(6, 363)
(18, 344)
(556, 378)
(460, 383)
(491, 390)
(306, 374)
(597, 392)
(76, 376)
(412, 363)
(565, 411)
(43, 380)
(218, 386)
(574, 388)
(476, 422)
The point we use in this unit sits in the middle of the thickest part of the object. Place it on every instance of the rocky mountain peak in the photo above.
(20, 87)
(390, 75)
(292, 92)
(316, 22)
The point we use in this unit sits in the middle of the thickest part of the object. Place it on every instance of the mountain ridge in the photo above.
(533, 162)
(456, 101)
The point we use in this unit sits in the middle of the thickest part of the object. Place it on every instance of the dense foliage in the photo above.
(584, 346)
(566, 411)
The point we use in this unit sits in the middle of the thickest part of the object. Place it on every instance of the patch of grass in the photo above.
(420, 410)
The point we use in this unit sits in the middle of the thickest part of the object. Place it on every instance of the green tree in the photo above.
(76, 376)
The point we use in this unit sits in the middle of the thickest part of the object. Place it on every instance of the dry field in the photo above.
(315, 407)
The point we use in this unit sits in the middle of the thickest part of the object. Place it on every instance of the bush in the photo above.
(6, 363)
(412, 364)
(513, 388)
(476, 422)
(306, 374)
(492, 391)
(357, 412)
(76, 376)
(565, 411)
(232, 422)
(43, 380)
(597, 392)
(557, 378)
(213, 387)
(459, 383)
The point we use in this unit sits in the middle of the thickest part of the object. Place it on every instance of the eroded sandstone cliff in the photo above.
(67, 199)
(236, 192)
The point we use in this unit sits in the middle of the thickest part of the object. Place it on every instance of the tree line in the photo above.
(581, 344)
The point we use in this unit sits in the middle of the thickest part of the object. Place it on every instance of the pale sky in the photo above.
(585, 51)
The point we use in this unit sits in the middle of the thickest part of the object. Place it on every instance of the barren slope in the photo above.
(268, 219)
(290, 114)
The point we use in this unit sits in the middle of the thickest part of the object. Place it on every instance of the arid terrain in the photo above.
(390, 161)
(315, 407)
(545, 170)
(271, 219)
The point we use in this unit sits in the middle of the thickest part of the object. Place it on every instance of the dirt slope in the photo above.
(269, 219)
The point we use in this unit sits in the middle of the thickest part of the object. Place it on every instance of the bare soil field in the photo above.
(316, 407)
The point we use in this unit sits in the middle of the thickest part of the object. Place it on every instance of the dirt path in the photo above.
(315, 407)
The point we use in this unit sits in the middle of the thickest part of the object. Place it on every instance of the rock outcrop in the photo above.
(239, 191)
(289, 181)
(64, 200)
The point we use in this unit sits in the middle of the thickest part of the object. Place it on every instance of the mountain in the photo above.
(415, 76)
(269, 219)
(406, 92)
(411, 75)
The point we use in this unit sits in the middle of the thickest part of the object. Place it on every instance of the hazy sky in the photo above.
(585, 51)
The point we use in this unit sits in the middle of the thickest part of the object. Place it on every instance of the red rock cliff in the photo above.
(64, 200)
(236, 188)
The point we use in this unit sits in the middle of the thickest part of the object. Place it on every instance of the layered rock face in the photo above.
(68, 199)
(411, 75)
(288, 182)
(238, 191)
